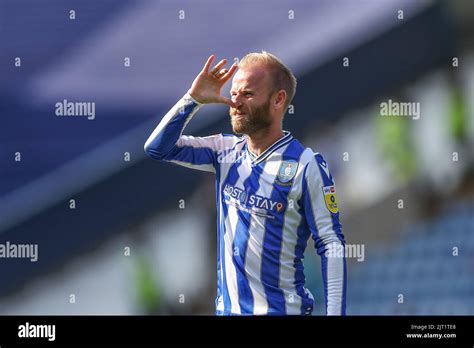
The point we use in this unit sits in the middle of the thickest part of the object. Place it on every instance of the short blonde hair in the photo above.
(282, 76)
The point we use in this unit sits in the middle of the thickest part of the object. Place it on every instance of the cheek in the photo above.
(249, 107)
(258, 104)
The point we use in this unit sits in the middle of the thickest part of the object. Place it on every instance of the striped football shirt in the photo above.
(267, 208)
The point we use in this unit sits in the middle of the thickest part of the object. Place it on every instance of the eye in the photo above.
(248, 94)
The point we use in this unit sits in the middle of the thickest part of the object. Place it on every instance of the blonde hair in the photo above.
(282, 76)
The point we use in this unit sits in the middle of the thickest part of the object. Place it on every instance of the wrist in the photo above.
(190, 94)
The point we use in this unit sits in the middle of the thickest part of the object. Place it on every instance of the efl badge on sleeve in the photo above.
(287, 172)
(330, 198)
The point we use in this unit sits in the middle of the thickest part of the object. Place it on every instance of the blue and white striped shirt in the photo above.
(267, 208)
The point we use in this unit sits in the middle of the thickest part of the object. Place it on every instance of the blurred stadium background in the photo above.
(141, 238)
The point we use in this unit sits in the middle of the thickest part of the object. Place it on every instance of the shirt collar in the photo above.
(285, 139)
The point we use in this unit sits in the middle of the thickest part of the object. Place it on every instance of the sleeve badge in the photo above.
(329, 193)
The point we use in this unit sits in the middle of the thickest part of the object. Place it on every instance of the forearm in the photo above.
(333, 263)
(167, 133)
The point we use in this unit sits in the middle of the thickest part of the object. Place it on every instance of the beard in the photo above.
(252, 121)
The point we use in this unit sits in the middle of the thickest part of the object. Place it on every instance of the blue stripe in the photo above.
(220, 284)
(327, 181)
(303, 234)
(246, 300)
(324, 269)
(226, 152)
(225, 289)
(192, 155)
(272, 240)
(231, 178)
(226, 314)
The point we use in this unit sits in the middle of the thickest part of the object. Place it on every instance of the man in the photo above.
(272, 193)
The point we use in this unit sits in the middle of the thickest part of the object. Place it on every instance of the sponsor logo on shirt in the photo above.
(330, 198)
(251, 200)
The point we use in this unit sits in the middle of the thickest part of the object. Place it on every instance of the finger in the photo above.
(229, 73)
(208, 63)
(221, 73)
(218, 66)
(227, 101)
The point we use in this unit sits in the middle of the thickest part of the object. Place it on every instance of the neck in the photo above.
(263, 139)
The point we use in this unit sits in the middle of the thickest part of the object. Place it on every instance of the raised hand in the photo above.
(207, 86)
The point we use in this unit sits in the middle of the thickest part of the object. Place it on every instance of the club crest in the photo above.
(287, 172)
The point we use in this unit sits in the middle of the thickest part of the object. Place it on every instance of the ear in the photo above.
(280, 99)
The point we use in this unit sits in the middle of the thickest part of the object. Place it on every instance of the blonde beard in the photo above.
(252, 122)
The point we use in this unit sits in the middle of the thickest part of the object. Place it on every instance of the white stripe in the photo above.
(216, 142)
(230, 274)
(335, 281)
(289, 244)
(321, 213)
(172, 113)
(203, 167)
(225, 165)
(220, 302)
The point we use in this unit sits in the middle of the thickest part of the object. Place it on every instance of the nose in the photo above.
(236, 99)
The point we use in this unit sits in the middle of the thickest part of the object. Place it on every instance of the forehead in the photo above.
(254, 76)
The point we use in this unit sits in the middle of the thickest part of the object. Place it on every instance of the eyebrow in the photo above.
(244, 90)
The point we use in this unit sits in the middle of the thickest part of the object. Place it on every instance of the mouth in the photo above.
(239, 114)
